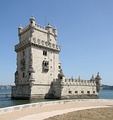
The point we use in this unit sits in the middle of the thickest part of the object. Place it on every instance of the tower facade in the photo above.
(39, 74)
(37, 60)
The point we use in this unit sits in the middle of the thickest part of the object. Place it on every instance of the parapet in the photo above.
(47, 29)
(79, 82)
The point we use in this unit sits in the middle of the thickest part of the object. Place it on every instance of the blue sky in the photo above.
(85, 33)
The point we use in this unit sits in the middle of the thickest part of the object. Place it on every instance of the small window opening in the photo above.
(60, 77)
(93, 91)
(23, 75)
(70, 92)
(45, 53)
(82, 91)
(88, 92)
(23, 53)
(76, 91)
(59, 67)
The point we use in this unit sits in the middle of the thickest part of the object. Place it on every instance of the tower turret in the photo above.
(92, 78)
(19, 29)
(49, 28)
(32, 21)
(55, 32)
(61, 76)
(98, 81)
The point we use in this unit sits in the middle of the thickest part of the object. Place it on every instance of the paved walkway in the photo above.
(45, 115)
(41, 111)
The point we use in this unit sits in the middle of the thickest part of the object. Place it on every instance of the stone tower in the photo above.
(37, 61)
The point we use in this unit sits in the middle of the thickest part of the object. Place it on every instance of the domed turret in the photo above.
(98, 77)
(20, 29)
(92, 78)
(98, 81)
(32, 21)
(55, 32)
(61, 75)
(49, 28)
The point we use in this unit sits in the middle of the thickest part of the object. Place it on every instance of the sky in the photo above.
(85, 34)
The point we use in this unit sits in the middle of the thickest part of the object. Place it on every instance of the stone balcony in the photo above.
(37, 42)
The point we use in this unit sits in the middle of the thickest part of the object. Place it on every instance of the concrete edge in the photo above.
(40, 104)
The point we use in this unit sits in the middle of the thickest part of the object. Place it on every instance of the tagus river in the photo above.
(5, 101)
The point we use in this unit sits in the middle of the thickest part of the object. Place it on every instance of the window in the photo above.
(59, 67)
(22, 64)
(45, 66)
(70, 92)
(60, 77)
(45, 53)
(76, 91)
(23, 74)
(88, 92)
(93, 91)
(82, 92)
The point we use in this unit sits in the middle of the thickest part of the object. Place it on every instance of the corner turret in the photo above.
(55, 32)
(49, 28)
(32, 21)
(92, 78)
(61, 76)
(98, 81)
(19, 29)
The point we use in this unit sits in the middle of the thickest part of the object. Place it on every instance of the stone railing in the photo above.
(25, 28)
(45, 44)
(40, 26)
(22, 44)
(38, 42)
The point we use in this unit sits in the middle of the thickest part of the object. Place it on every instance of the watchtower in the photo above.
(37, 61)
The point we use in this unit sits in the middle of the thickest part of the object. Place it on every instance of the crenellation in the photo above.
(78, 82)
(24, 30)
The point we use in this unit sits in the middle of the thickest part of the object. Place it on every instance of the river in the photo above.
(6, 101)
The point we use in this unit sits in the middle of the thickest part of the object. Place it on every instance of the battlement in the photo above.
(79, 82)
(34, 26)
